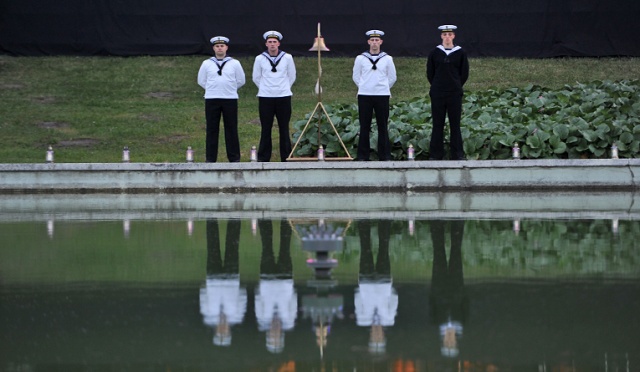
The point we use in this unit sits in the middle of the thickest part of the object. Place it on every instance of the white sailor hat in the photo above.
(447, 28)
(222, 339)
(451, 352)
(374, 33)
(219, 40)
(272, 34)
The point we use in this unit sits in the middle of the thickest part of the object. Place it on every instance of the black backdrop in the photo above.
(508, 28)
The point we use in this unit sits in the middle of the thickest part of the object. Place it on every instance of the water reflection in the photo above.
(50, 228)
(376, 301)
(449, 301)
(223, 302)
(322, 306)
(276, 303)
(320, 294)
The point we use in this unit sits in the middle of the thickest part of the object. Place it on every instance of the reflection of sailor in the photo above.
(449, 302)
(276, 302)
(376, 301)
(223, 302)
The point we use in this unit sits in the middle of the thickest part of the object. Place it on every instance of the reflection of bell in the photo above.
(318, 44)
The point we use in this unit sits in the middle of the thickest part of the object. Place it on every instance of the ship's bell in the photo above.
(318, 44)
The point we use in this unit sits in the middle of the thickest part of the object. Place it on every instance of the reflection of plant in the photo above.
(573, 246)
(541, 246)
(579, 121)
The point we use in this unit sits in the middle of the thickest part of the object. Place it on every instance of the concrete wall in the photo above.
(322, 177)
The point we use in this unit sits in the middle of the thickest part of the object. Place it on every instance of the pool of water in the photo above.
(299, 293)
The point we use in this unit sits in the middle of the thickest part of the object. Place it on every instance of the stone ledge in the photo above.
(320, 177)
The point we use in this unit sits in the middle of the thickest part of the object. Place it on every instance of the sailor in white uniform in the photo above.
(374, 73)
(274, 73)
(221, 76)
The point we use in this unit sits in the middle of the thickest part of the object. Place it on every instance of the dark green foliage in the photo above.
(577, 121)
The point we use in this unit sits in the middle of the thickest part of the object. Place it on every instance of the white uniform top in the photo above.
(374, 82)
(276, 295)
(223, 296)
(376, 298)
(274, 84)
(221, 86)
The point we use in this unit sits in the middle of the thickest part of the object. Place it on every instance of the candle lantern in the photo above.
(49, 156)
(614, 151)
(125, 154)
(321, 153)
(515, 151)
(189, 154)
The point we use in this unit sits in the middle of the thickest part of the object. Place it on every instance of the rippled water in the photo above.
(311, 294)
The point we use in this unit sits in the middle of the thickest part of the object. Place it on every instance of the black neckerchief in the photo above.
(274, 60)
(221, 65)
(368, 56)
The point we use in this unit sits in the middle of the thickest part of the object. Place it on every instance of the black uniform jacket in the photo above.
(447, 73)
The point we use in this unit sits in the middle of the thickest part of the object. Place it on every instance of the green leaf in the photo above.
(557, 145)
(484, 118)
(603, 131)
(561, 130)
(626, 137)
(589, 135)
(572, 139)
(596, 151)
(534, 142)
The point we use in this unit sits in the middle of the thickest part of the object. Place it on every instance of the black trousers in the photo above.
(280, 108)
(366, 106)
(228, 109)
(442, 106)
(215, 264)
(282, 267)
(382, 268)
(448, 298)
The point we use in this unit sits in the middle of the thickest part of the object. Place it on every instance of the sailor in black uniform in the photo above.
(447, 71)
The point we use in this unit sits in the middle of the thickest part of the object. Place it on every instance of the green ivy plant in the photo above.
(577, 121)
